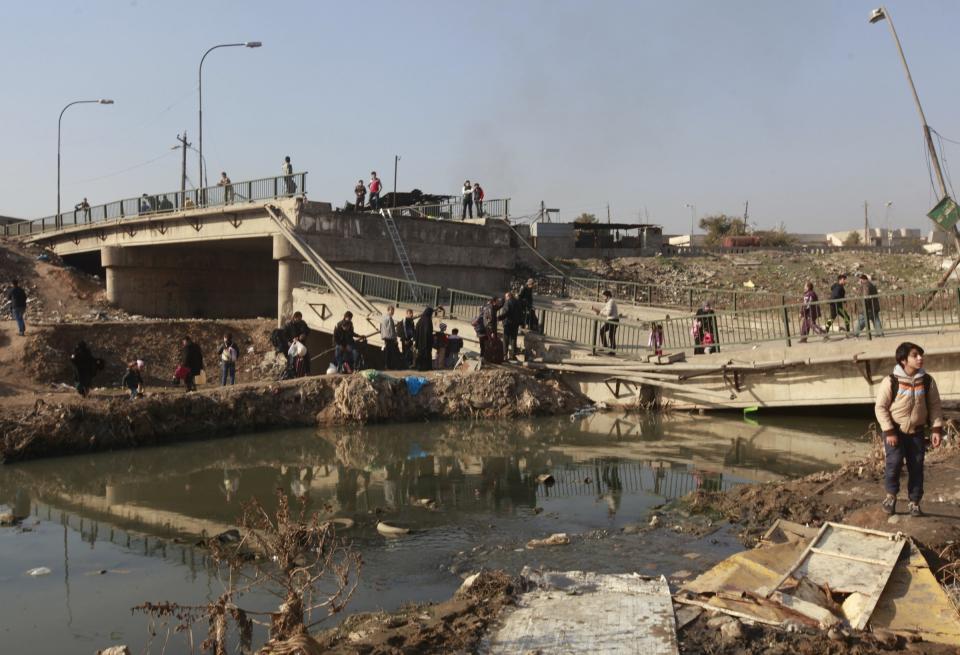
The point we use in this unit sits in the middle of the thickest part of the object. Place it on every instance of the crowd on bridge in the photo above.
(367, 196)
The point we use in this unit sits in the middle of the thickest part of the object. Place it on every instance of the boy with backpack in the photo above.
(907, 401)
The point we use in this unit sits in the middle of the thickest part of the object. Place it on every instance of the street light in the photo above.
(245, 44)
(101, 101)
(396, 160)
(886, 222)
(693, 220)
(877, 15)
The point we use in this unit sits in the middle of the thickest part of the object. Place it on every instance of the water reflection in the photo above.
(398, 470)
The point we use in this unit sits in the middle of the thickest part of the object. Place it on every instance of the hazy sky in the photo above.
(799, 107)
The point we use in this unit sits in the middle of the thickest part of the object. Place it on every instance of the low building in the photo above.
(877, 237)
(584, 240)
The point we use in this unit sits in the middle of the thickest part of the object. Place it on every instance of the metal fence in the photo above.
(378, 287)
(161, 203)
(452, 210)
(658, 295)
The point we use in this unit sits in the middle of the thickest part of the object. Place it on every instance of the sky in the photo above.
(802, 109)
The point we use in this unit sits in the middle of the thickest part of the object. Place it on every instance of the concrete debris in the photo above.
(841, 578)
(556, 539)
(584, 612)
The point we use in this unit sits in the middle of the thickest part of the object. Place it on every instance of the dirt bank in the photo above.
(76, 426)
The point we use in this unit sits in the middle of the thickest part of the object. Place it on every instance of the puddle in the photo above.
(135, 514)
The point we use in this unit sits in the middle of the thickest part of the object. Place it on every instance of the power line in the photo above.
(121, 172)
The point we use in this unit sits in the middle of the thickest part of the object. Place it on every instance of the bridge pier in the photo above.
(289, 270)
(212, 280)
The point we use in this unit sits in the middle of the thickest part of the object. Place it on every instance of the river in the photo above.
(117, 529)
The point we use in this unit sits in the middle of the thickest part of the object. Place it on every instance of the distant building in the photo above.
(685, 240)
(877, 236)
(6, 220)
(582, 240)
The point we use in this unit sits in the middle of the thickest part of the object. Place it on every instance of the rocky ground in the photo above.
(767, 270)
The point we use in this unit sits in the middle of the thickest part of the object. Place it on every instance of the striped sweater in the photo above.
(907, 411)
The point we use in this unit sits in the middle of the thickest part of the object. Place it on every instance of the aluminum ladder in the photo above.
(401, 253)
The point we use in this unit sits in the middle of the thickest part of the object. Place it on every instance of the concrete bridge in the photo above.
(213, 253)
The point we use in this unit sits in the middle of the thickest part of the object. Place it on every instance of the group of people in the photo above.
(374, 186)
(869, 316)
(471, 194)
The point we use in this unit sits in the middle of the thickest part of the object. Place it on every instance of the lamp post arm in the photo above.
(200, 94)
(59, 124)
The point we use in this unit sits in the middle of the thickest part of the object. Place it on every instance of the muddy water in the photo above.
(117, 529)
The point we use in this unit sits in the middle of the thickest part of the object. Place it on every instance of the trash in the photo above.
(40, 570)
(390, 530)
(556, 539)
(230, 536)
(341, 523)
(371, 374)
(587, 411)
(587, 615)
(429, 503)
(800, 578)
(332, 369)
(654, 521)
(415, 383)
(115, 650)
(545, 479)
(7, 519)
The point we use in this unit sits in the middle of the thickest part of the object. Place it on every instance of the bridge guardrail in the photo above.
(379, 287)
(160, 203)
(452, 210)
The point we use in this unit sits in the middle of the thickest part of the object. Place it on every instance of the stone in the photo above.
(731, 631)
(556, 539)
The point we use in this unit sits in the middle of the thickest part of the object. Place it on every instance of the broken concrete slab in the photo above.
(580, 612)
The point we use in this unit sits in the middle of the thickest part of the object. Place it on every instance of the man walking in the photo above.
(467, 200)
(512, 316)
(18, 305)
(837, 293)
(608, 331)
(871, 308)
(375, 186)
(408, 334)
(360, 191)
(287, 170)
(388, 332)
(907, 402)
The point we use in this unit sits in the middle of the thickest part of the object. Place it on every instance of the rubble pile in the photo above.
(766, 270)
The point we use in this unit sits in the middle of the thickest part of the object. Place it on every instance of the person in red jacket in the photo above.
(374, 186)
(478, 198)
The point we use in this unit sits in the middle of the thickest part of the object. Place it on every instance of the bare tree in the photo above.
(297, 558)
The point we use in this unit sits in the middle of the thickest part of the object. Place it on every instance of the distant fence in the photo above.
(160, 203)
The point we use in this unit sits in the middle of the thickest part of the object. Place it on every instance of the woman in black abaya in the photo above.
(424, 340)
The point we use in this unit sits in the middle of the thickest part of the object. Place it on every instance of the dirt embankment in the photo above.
(62, 428)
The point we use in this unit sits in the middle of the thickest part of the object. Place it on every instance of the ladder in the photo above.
(401, 253)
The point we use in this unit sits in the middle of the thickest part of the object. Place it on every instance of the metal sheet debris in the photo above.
(585, 612)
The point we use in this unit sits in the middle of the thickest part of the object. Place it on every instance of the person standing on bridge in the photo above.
(871, 308)
(837, 293)
(907, 402)
(227, 188)
(18, 305)
(467, 200)
(287, 170)
(375, 187)
(809, 312)
(478, 198)
(360, 191)
(388, 333)
(611, 314)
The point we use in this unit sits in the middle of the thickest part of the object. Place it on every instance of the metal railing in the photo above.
(452, 210)
(162, 203)
(378, 287)
(658, 295)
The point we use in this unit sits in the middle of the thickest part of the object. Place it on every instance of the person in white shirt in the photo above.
(467, 200)
(388, 332)
(608, 331)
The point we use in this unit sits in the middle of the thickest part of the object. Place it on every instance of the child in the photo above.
(906, 402)
(454, 345)
(440, 345)
(133, 380)
(656, 339)
(707, 342)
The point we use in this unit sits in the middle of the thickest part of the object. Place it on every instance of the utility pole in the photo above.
(608, 213)
(396, 160)
(746, 217)
(880, 14)
(543, 212)
(184, 144)
(866, 225)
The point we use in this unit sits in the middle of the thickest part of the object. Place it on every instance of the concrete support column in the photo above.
(289, 270)
(111, 258)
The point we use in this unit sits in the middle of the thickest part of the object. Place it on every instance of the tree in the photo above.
(721, 225)
(585, 218)
(853, 239)
(776, 238)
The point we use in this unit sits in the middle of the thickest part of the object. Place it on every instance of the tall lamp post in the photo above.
(876, 16)
(245, 44)
(396, 160)
(101, 101)
(693, 220)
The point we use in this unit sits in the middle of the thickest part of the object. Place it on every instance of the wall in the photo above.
(215, 280)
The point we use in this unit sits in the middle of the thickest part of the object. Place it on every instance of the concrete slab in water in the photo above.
(583, 612)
